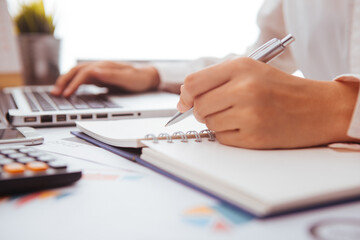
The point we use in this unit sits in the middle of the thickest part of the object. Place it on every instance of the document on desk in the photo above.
(109, 204)
(67, 147)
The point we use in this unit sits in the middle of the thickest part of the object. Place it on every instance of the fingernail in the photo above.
(180, 107)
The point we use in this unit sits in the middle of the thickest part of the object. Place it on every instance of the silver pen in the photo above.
(265, 53)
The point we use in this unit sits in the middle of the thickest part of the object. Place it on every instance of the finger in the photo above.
(184, 99)
(63, 80)
(80, 78)
(215, 100)
(201, 82)
(228, 119)
(207, 79)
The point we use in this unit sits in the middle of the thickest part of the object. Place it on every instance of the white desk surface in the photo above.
(118, 199)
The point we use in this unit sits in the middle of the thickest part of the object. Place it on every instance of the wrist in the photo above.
(344, 96)
(153, 77)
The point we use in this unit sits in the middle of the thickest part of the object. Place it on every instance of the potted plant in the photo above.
(38, 46)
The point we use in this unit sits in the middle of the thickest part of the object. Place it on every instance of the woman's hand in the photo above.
(121, 75)
(253, 105)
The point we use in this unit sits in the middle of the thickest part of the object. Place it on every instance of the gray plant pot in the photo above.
(40, 58)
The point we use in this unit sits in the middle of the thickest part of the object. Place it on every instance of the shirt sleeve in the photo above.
(271, 23)
(172, 74)
(354, 128)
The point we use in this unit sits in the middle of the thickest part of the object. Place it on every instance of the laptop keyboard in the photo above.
(48, 102)
(32, 105)
(44, 104)
(70, 103)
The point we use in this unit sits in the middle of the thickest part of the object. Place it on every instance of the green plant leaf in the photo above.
(33, 19)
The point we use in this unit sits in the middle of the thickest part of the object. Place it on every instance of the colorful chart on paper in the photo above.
(219, 217)
(24, 199)
(20, 200)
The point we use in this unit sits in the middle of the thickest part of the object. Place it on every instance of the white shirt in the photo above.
(327, 45)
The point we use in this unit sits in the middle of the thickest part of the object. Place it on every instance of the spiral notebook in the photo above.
(130, 132)
(263, 182)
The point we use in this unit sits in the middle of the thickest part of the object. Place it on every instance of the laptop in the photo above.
(35, 106)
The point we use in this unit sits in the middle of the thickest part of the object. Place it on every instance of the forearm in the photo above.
(173, 73)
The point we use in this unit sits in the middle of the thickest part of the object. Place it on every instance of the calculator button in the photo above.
(8, 151)
(14, 168)
(37, 166)
(36, 154)
(26, 150)
(25, 159)
(57, 164)
(16, 155)
(4, 161)
(46, 158)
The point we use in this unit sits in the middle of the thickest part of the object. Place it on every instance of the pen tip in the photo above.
(168, 124)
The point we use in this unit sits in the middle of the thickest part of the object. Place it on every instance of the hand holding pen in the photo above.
(251, 104)
(265, 53)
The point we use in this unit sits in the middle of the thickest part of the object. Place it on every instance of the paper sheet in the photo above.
(113, 204)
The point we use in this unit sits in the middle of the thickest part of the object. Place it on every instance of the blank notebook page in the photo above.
(271, 176)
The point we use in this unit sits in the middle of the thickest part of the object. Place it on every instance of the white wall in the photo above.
(151, 29)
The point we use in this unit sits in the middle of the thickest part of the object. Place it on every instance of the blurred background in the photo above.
(150, 29)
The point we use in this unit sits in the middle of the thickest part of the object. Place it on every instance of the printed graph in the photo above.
(111, 176)
(219, 217)
(101, 177)
(24, 199)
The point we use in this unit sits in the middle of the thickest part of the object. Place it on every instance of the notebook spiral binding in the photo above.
(184, 136)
